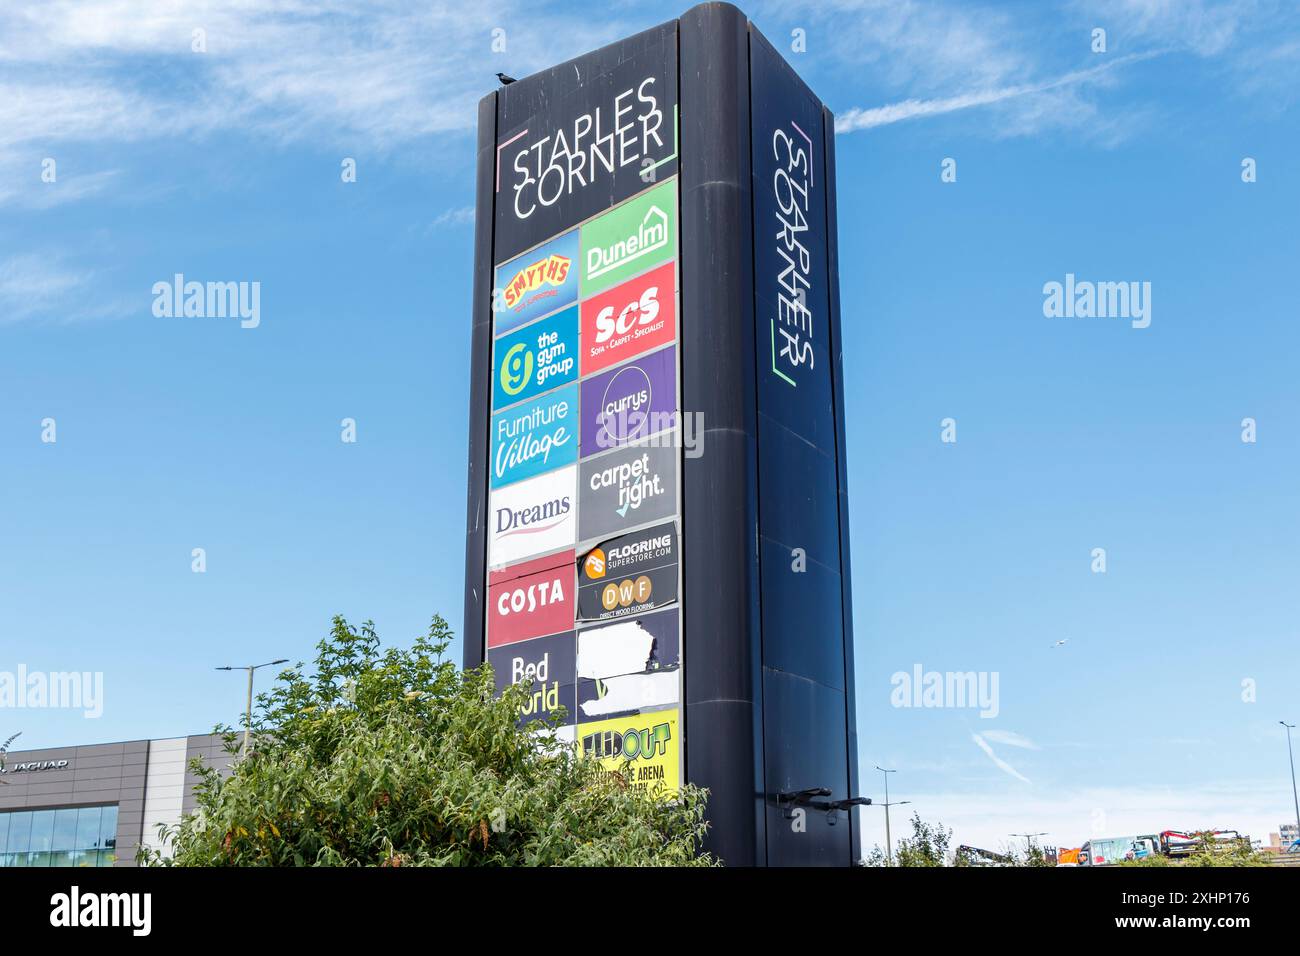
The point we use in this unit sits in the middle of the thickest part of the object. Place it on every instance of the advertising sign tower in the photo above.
(657, 533)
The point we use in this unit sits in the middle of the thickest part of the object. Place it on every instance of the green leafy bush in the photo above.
(399, 758)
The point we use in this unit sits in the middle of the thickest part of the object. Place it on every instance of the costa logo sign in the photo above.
(631, 402)
(536, 358)
(531, 599)
(635, 317)
(535, 284)
(532, 517)
(630, 239)
(632, 574)
(535, 437)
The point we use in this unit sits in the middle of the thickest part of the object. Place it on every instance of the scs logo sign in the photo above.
(531, 599)
(629, 319)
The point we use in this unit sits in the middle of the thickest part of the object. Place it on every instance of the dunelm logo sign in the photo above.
(630, 239)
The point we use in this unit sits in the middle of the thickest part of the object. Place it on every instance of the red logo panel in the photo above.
(629, 319)
(531, 599)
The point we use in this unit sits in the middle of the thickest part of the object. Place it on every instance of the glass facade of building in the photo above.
(71, 836)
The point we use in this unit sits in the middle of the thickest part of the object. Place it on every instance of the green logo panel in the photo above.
(630, 239)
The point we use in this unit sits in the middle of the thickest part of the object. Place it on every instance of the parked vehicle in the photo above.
(1111, 850)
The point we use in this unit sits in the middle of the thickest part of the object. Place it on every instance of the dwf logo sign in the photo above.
(628, 575)
(532, 517)
(639, 315)
(628, 487)
(630, 239)
(535, 437)
(537, 358)
(536, 283)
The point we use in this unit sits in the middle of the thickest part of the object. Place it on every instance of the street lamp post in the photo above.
(1291, 754)
(248, 712)
(1029, 839)
(889, 843)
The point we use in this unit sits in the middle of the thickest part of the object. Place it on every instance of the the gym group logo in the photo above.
(535, 436)
(532, 517)
(629, 403)
(535, 283)
(537, 358)
(639, 315)
(627, 487)
(548, 665)
(630, 238)
(531, 599)
(628, 575)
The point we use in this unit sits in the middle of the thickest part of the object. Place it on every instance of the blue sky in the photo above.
(1072, 434)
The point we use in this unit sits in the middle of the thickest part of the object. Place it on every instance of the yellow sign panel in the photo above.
(650, 743)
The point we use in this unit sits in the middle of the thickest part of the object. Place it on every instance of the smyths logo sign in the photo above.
(639, 315)
(531, 599)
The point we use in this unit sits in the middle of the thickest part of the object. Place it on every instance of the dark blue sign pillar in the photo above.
(766, 643)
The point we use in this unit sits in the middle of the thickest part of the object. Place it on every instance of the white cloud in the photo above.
(1011, 739)
(32, 284)
(46, 286)
(460, 216)
(858, 119)
(365, 77)
(998, 761)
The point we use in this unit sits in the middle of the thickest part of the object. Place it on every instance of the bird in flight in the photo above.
(1061, 642)
(505, 80)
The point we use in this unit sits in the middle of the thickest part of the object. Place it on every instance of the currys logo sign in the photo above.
(629, 403)
(629, 319)
(535, 359)
(535, 436)
(532, 517)
(531, 599)
(535, 283)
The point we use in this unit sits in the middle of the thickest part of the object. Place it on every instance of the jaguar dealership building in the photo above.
(96, 805)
